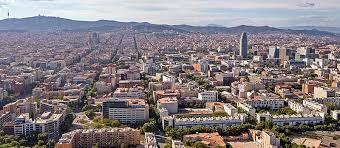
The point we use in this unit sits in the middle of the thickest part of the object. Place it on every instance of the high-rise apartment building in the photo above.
(273, 52)
(127, 111)
(110, 137)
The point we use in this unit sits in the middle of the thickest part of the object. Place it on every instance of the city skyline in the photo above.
(192, 12)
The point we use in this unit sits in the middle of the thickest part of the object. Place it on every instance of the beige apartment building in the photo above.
(109, 137)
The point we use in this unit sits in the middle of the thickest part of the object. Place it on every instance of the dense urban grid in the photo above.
(132, 88)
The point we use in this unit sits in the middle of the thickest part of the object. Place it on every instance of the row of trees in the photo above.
(151, 126)
(281, 111)
(178, 133)
(204, 84)
(34, 140)
(65, 126)
(106, 123)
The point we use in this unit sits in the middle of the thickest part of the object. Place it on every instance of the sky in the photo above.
(276, 13)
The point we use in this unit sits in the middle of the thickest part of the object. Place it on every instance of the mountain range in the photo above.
(44, 23)
(328, 29)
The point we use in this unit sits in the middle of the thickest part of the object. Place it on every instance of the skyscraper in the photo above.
(244, 45)
(273, 52)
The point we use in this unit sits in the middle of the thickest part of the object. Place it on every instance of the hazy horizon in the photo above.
(191, 12)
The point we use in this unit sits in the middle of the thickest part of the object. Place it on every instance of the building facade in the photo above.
(127, 111)
(111, 137)
(209, 96)
(244, 46)
(46, 123)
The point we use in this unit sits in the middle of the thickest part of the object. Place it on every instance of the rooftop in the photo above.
(210, 139)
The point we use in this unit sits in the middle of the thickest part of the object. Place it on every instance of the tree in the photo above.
(260, 126)
(150, 126)
(41, 143)
(15, 143)
(220, 114)
(199, 144)
(51, 143)
(167, 145)
(65, 126)
(123, 145)
(43, 137)
(23, 142)
(90, 114)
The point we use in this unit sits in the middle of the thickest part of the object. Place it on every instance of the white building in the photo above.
(291, 119)
(209, 96)
(323, 92)
(299, 108)
(177, 144)
(3, 94)
(265, 139)
(171, 104)
(168, 78)
(125, 93)
(335, 114)
(150, 141)
(248, 87)
(46, 123)
(266, 103)
(248, 108)
(126, 110)
(229, 109)
(208, 121)
(315, 105)
(332, 100)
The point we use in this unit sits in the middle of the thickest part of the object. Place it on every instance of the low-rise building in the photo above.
(323, 92)
(291, 119)
(177, 144)
(266, 103)
(125, 93)
(248, 87)
(165, 94)
(248, 108)
(51, 106)
(203, 121)
(298, 107)
(111, 137)
(209, 96)
(315, 105)
(150, 140)
(215, 106)
(130, 83)
(230, 109)
(20, 106)
(265, 139)
(171, 104)
(332, 100)
(155, 86)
